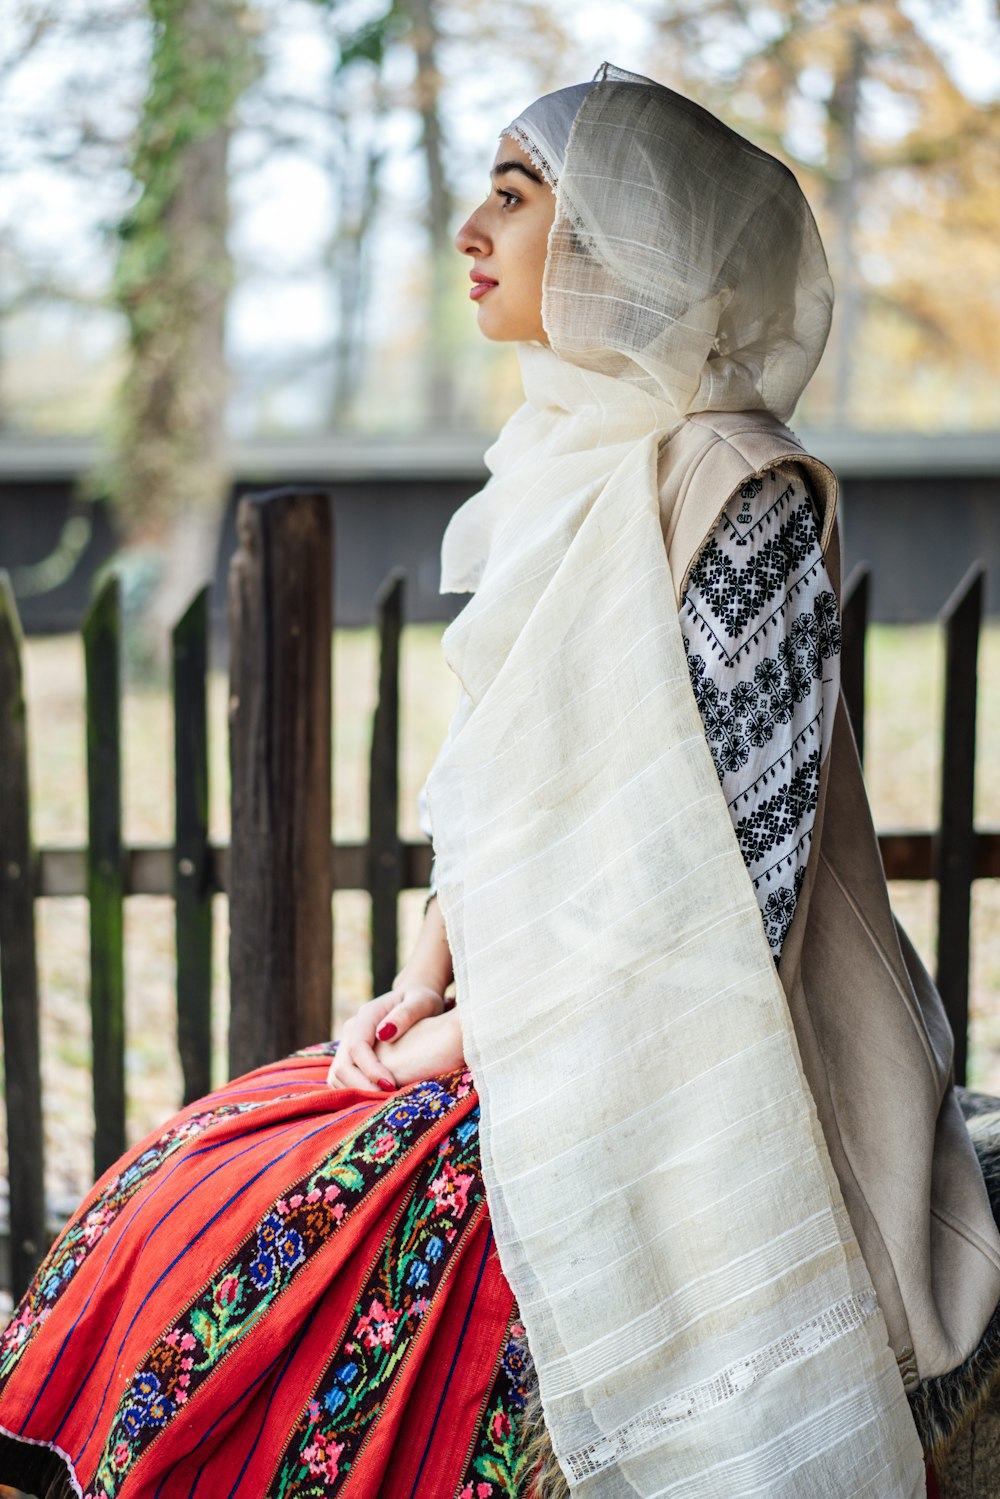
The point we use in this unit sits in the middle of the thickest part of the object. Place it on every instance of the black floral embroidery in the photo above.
(745, 717)
(778, 910)
(751, 489)
(735, 595)
(748, 491)
(777, 818)
(764, 721)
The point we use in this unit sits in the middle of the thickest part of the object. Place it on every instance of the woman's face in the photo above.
(506, 239)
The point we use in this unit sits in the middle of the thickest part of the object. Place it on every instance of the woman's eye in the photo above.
(509, 198)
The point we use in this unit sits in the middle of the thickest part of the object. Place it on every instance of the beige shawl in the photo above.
(665, 1208)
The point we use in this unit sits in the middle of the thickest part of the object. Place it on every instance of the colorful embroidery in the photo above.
(295, 1227)
(82, 1234)
(410, 1270)
(498, 1464)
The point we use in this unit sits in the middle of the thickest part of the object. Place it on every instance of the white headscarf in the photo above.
(701, 1319)
(543, 128)
(689, 262)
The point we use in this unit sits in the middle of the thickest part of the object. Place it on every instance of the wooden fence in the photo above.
(282, 869)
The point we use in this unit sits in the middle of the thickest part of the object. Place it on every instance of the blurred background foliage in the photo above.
(233, 217)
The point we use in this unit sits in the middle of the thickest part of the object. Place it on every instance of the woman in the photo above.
(719, 1157)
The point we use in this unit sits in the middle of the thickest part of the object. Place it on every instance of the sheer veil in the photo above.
(683, 258)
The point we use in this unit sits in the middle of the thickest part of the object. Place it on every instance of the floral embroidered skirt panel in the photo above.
(290, 1291)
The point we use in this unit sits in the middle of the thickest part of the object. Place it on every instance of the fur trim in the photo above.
(546, 1480)
(947, 1405)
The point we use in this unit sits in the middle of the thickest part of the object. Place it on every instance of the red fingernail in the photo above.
(386, 1031)
(386, 1087)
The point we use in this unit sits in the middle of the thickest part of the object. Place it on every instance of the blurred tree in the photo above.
(402, 78)
(168, 474)
(902, 167)
(355, 169)
(82, 141)
(413, 25)
(425, 38)
(439, 42)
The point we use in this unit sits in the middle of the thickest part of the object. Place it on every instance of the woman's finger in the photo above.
(351, 1077)
(356, 1065)
(371, 1015)
(360, 1029)
(406, 1013)
(365, 1065)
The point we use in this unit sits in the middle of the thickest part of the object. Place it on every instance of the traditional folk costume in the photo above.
(704, 1186)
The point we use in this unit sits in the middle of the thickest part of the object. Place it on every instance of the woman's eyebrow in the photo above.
(514, 166)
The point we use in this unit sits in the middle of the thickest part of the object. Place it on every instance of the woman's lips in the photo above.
(481, 288)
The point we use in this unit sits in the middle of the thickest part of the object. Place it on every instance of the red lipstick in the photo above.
(483, 284)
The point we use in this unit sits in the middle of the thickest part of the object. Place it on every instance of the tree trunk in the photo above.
(848, 166)
(357, 180)
(173, 279)
(426, 39)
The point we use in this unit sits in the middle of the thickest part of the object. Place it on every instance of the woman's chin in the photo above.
(506, 330)
(493, 327)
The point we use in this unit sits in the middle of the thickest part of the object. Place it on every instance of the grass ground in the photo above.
(903, 731)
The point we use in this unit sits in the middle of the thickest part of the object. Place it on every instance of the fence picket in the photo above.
(18, 966)
(105, 871)
(192, 856)
(955, 843)
(854, 630)
(385, 854)
(280, 867)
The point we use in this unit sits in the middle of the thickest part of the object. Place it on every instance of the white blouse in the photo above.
(762, 632)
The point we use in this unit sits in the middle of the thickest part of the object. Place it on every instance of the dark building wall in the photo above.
(51, 577)
(919, 516)
(921, 534)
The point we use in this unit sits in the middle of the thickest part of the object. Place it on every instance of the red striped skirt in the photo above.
(289, 1291)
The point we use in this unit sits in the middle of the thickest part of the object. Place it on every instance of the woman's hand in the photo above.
(391, 1015)
(428, 1048)
(416, 994)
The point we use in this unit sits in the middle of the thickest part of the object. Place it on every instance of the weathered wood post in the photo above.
(854, 625)
(385, 852)
(280, 865)
(955, 840)
(106, 871)
(192, 872)
(18, 968)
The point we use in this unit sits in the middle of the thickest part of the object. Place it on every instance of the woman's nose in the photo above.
(470, 239)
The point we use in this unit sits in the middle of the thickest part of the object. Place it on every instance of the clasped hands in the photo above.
(404, 1036)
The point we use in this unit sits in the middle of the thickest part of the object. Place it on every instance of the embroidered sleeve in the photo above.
(762, 632)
